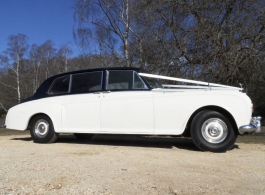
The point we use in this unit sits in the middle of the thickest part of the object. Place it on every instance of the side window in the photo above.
(124, 80)
(86, 82)
(60, 85)
(138, 83)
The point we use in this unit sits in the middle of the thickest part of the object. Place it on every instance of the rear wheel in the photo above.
(42, 131)
(212, 131)
(83, 136)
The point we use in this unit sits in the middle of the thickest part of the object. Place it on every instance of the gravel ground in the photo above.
(117, 164)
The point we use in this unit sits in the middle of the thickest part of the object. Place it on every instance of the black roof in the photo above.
(95, 69)
(42, 90)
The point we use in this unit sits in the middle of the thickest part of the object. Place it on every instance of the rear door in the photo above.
(81, 109)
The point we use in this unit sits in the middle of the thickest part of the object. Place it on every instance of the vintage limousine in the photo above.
(124, 101)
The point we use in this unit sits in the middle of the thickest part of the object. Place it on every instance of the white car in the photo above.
(124, 101)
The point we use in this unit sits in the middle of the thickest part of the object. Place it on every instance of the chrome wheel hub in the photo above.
(214, 130)
(41, 128)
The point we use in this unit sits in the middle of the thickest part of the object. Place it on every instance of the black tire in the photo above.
(212, 131)
(83, 136)
(42, 130)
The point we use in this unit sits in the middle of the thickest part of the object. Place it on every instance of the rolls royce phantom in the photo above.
(124, 101)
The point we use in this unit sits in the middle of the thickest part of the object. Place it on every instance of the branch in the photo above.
(6, 85)
(3, 106)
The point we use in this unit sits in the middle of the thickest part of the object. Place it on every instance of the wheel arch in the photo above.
(213, 108)
(37, 114)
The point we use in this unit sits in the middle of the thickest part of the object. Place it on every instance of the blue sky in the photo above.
(40, 20)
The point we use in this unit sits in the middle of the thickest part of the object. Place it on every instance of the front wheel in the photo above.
(212, 131)
(42, 131)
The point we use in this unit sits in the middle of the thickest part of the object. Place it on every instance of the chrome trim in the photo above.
(107, 80)
(102, 75)
(133, 79)
(214, 130)
(3, 125)
(70, 83)
(41, 128)
(254, 126)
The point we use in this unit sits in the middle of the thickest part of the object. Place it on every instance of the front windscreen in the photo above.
(153, 82)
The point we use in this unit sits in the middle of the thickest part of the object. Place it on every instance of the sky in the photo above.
(39, 20)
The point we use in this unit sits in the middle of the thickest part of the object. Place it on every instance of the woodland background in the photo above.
(210, 40)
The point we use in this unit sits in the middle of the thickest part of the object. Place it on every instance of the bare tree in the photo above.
(64, 52)
(17, 48)
(108, 24)
(41, 58)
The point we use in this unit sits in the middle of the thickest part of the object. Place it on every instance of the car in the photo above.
(125, 101)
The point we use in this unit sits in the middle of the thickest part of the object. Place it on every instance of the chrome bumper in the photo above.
(254, 126)
(3, 125)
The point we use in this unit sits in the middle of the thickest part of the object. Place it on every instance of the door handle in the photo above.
(98, 92)
(106, 91)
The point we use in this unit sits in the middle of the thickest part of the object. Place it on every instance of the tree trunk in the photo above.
(126, 43)
(18, 80)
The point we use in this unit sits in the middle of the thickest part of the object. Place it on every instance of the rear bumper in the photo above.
(254, 126)
(3, 125)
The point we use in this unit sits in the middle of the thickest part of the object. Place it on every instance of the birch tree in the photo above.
(106, 23)
(17, 48)
(42, 57)
(64, 54)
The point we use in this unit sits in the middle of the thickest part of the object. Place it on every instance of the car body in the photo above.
(124, 101)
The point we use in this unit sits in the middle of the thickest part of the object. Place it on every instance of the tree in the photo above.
(106, 23)
(215, 41)
(11, 60)
(41, 58)
(64, 52)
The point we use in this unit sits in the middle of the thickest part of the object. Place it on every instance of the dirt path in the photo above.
(128, 165)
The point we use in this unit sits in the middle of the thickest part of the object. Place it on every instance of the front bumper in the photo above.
(254, 126)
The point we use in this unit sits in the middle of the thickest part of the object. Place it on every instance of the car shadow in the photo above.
(22, 138)
(166, 142)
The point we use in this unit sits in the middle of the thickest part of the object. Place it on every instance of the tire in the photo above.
(83, 136)
(212, 131)
(42, 130)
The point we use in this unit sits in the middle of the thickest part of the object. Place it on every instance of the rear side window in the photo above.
(87, 82)
(60, 85)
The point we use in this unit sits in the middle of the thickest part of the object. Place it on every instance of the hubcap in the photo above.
(41, 128)
(214, 130)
